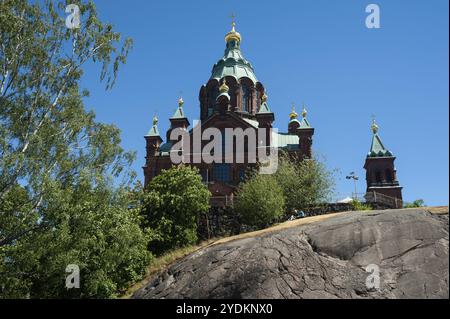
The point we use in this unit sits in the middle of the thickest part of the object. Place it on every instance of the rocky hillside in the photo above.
(321, 259)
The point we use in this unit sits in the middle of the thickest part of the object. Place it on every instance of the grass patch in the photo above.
(437, 210)
(358, 206)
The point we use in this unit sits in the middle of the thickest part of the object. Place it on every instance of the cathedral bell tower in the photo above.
(381, 175)
(153, 143)
(303, 130)
(178, 120)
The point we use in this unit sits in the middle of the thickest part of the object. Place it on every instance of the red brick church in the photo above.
(233, 97)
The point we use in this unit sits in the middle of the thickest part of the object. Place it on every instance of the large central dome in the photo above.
(233, 62)
(243, 92)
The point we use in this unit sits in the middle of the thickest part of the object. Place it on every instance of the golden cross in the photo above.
(232, 19)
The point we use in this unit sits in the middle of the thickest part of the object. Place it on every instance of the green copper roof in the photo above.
(295, 120)
(179, 113)
(153, 131)
(305, 123)
(284, 140)
(377, 148)
(233, 64)
(264, 108)
(165, 148)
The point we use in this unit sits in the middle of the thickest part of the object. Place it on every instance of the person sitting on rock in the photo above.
(300, 214)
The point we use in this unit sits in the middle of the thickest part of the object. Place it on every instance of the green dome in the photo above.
(233, 64)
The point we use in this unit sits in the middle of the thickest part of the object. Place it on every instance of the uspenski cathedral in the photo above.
(233, 97)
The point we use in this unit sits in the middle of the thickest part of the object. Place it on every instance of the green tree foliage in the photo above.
(304, 183)
(263, 199)
(89, 226)
(57, 164)
(260, 201)
(416, 203)
(172, 204)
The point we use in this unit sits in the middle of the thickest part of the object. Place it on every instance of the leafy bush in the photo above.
(260, 201)
(91, 227)
(263, 199)
(416, 203)
(357, 205)
(173, 202)
(304, 183)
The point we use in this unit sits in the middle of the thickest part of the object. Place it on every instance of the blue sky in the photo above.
(316, 52)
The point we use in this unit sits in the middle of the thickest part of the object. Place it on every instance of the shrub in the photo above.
(304, 183)
(91, 227)
(260, 201)
(357, 205)
(173, 202)
(416, 203)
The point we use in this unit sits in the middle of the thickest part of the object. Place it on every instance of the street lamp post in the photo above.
(355, 178)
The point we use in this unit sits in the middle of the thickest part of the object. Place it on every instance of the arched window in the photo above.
(245, 97)
(388, 175)
(258, 101)
(209, 103)
(378, 177)
(213, 94)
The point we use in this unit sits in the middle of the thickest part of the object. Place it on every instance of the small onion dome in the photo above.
(293, 115)
(264, 98)
(232, 35)
(377, 148)
(304, 112)
(154, 129)
(264, 107)
(180, 101)
(374, 127)
(224, 87)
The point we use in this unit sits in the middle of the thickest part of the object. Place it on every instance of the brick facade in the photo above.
(232, 98)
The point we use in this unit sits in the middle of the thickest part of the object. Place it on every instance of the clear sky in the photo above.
(316, 52)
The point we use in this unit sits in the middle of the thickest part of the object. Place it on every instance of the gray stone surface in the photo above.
(325, 259)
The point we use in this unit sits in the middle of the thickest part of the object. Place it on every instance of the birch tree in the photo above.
(57, 163)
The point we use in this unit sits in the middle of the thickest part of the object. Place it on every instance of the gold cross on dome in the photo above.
(233, 18)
